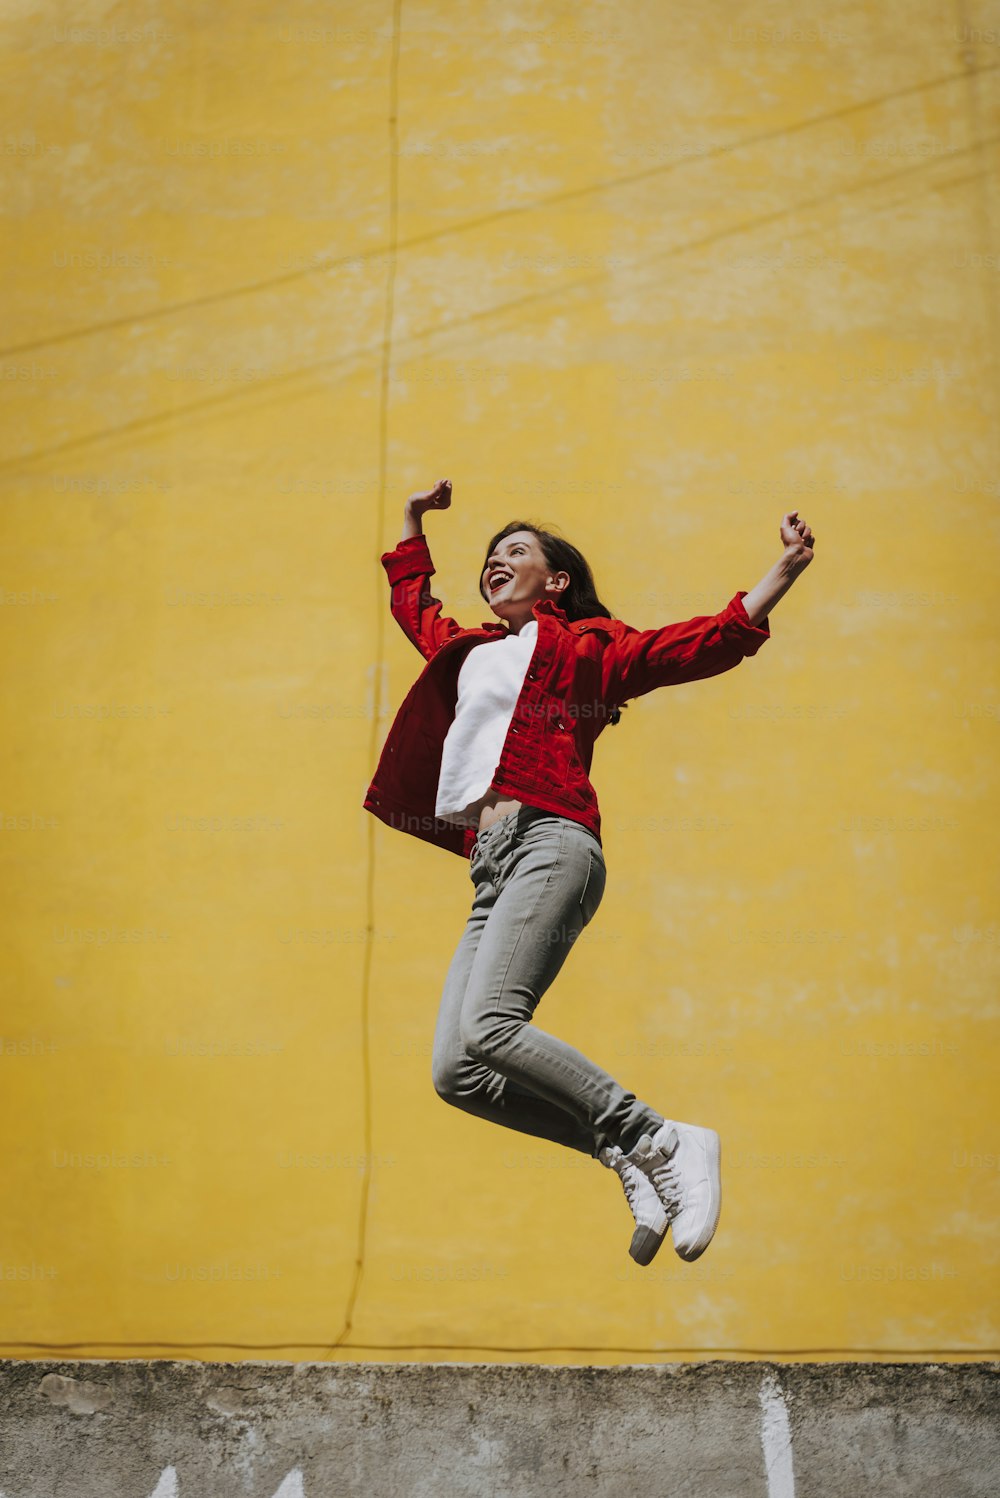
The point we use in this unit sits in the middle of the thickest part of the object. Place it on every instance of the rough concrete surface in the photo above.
(160, 1429)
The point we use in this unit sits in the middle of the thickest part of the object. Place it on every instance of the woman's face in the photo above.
(517, 575)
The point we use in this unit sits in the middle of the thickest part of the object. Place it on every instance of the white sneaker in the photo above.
(682, 1163)
(651, 1221)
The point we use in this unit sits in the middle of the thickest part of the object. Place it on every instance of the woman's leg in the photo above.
(471, 1084)
(544, 878)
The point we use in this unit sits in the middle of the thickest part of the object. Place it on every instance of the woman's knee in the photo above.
(482, 1034)
(453, 1078)
(444, 1075)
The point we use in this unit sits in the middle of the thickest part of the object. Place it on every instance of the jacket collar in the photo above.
(543, 606)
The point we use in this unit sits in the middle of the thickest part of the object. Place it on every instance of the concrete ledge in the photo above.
(137, 1428)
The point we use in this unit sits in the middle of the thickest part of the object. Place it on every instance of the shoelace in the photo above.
(616, 1160)
(666, 1178)
(631, 1186)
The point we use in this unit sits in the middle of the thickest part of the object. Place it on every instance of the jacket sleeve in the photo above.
(642, 660)
(414, 608)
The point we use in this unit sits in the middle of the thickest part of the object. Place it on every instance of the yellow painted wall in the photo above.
(653, 275)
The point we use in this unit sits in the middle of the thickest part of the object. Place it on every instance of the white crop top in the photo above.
(489, 685)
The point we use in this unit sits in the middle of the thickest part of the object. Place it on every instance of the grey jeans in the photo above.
(539, 879)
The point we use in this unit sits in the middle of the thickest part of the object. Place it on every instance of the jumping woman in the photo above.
(489, 757)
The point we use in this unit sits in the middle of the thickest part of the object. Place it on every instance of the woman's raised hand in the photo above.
(796, 534)
(438, 498)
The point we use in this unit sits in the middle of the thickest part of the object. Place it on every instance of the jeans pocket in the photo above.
(593, 890)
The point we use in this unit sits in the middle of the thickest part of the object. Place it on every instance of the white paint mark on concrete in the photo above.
(292, 1486)
(75, 1394)
(776, 1439)
(167, 1485)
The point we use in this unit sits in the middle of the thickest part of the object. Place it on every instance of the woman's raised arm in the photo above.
(438, 498)
(799, 542)
(409, 569)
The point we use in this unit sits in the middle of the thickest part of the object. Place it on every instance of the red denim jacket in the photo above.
(580, 670)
